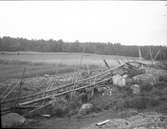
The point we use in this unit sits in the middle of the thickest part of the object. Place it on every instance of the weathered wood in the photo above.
(102, 123)
(14, 87)
(38, 108)
(105, 62)
(20, 87)
(61, 87)
(50, 102)
(6, 91)
(59, 94)
(67, 88)
(155, 57)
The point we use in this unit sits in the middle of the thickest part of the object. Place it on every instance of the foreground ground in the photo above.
(86, 122)
(152, 98)
(73, 122)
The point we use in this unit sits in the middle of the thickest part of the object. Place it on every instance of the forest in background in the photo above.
(22, 44)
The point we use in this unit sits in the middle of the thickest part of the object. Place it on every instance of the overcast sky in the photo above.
(129, 22)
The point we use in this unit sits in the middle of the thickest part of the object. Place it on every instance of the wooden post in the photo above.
(140, 54)
(105, 62)
(151, 56)
(93, 87)
(20, 87)
(73, 83)
(158, 52)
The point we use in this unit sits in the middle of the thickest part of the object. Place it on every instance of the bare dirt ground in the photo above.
(73, 122)
(88, 120)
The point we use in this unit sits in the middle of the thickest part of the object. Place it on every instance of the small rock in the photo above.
(135, 89)
(140, 128)
(145, 79)
(46, 75)
(12, 120)
(119, 80)
(86, 108)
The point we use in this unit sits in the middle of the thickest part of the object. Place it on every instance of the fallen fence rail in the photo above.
(60, 87)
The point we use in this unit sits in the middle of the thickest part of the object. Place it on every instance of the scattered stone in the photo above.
(119, 80)
(139, 121)
(46, 115)
(140, 128)
(86, 108)
(46, 75)
(135, 89)
(111, 124)
(11, 120)
(145, 79)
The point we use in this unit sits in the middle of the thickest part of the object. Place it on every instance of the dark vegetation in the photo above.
(20, 44)
(151, 97)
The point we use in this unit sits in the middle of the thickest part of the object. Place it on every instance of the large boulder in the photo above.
(11, 120)
(145, 79)
(119, 80)
(86, 108)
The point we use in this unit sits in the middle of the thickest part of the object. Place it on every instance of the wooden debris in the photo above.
(102, 123)
(91, 82)
(105, 62)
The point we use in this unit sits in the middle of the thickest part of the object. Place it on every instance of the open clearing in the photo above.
(37, 64)
(62, 58)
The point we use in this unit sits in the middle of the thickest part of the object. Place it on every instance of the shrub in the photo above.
(138, 102)
(161, 85)
(59, 112)
(152, 102)
(146, 88)
(101, 102)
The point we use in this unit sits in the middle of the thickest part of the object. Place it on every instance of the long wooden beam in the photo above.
(42, 92)
(59, 94)
(61, 87)
(43, 106)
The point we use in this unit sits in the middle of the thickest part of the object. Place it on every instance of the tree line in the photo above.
(22, 44)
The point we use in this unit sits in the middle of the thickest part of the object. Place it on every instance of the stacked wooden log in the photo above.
(96, 80)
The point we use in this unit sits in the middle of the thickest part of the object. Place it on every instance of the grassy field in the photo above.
(36, 63)
(62, 58)
(15, 70)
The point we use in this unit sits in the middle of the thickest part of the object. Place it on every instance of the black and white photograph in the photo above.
(83, 64)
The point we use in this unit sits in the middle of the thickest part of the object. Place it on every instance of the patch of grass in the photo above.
(151, 97)
(14, 69)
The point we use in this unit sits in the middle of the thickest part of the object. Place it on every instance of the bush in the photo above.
(160, 85)
(125, 91)
(59, 112)
(138, 102)
(101, 102)
(146, 88)
(152, 102)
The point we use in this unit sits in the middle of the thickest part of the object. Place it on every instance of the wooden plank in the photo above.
(59, 94)
(105, 62)
(50, 102)
(20, 87)
(14, 87)
(61, 87)
(102, 123)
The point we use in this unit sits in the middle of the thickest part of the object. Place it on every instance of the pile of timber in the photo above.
(96, 80)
